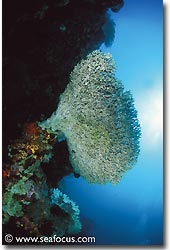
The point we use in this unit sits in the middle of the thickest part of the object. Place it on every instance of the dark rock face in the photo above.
(42, 41)
(59, 165)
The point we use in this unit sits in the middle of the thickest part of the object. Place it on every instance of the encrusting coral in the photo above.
(28, 205)
(99, 121)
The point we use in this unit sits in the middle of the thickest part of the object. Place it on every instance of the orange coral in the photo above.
(32, 128)
(5, 173)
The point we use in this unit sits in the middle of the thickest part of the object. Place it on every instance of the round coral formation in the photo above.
(99, 121)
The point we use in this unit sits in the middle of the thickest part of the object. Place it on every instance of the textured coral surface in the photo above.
(99, 121)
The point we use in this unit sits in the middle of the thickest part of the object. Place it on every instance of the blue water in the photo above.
(130, 213)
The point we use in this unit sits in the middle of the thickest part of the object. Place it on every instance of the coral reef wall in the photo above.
(42, 42)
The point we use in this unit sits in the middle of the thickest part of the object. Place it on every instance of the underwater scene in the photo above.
(82, 123)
